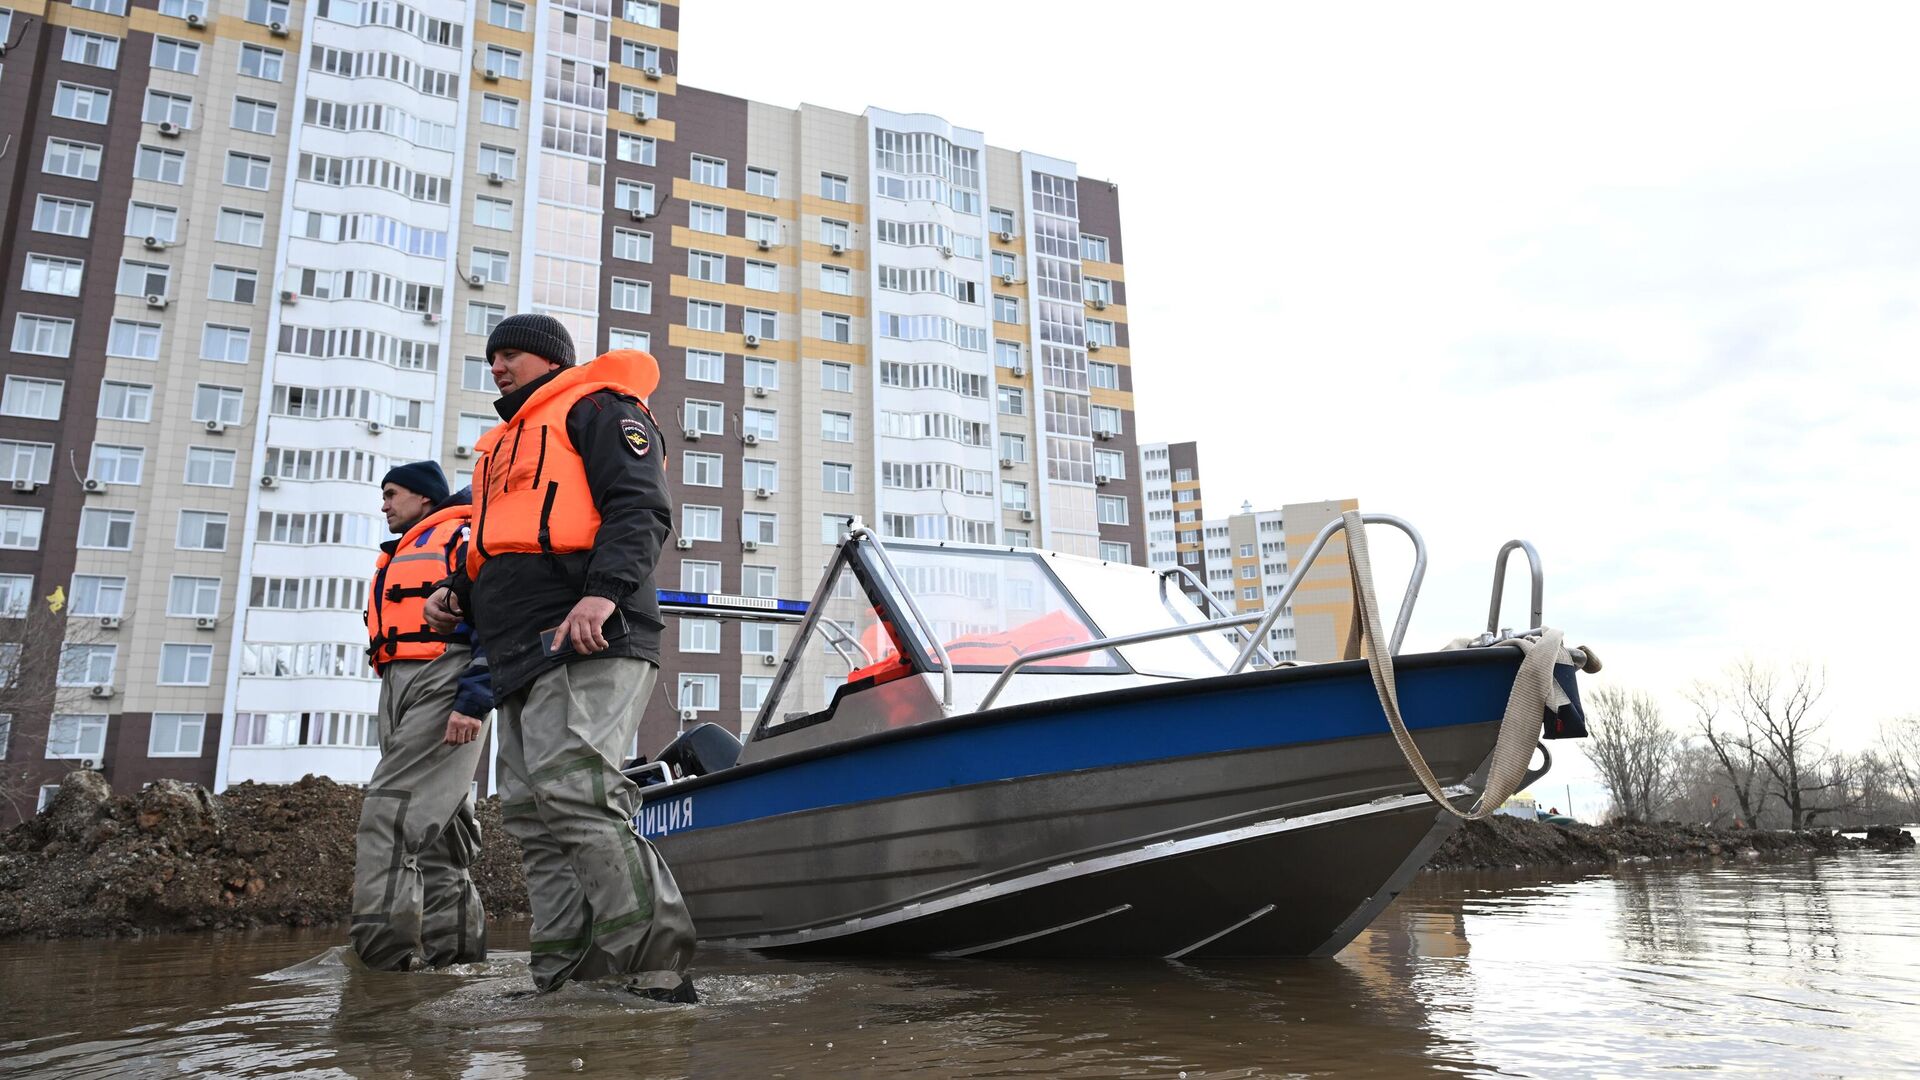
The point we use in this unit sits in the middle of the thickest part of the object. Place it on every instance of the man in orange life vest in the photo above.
(571, 509)
(413, 903)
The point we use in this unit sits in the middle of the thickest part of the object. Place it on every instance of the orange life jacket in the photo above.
(530, 486)
(397, 601)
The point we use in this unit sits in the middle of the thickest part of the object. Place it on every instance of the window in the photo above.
(267, 12)
(700, 635)
(636, 54)
(491, 213)
(1110, 463)
(497, 161)
(763, 182)
(1006, 309)
(1093, 248)
(753, 690)
(1002, 264)
(700, 692)
(836, 377)
(247, 170)
(1107, 419)
(635, 101)
(16, 595)
(761, 528)
(999, 221)
(42, 335)
(482, 318)
(142, 279)
(233, 284)
(117, 464)
(171, 55)
(704, 365)
(95, 595)
(837, 280)
(160, 166)
(700, 522)
(81, 161)
(707, 219)
(836, 327)
(700, 577)
(62, 217)
(208, 467)
(711, 172)
(1014, 495)
(165, 108)
(20, 528)
(261, 62)
(702, 470)
(706, 266)
(758, 581)
(762, 324)
(632, 195)
(76, 735)
(1183, 476)
(507, 14)
(706, 315)
(176, 734)
(1112, 509)
(97, 50)
(833, 187)
(763, 423)
(1114, 551)
(763, 275)
(52, 274)
(633, 246)
(243, 227)
(627, 295)
(1248, 572)
(227, 344)
(106, 530)
(639, 149)
(1097, 292)
(644, 12)
(475, 374)
(756, 474)
(836, 477)
(1013, 447)
(503, 62)
(89, 104)
(490, 265)
(836, 427)
(705, 417)
(193, 597)
(256, 116)
(86, 665)
(186, 665)
(201, 530)
(221, 403)
(35, 399)
(26, 461)
(1013, 401)
(759, 639)
(836, 233)
(148, 219)
(1103, 376)
(126, 401)
(499, 111)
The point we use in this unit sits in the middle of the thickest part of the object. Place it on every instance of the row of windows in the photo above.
(41, 399)
(162, 165)
(112, 530)
(709, 470)
(93, 665)
(74, 217)
(84, 735)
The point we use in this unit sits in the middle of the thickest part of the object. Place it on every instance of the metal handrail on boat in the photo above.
(1207, 599)
(1500, 582)
(1116, 640)
(1305, 564)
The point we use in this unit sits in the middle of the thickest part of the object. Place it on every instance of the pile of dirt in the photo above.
(1502, 842)
(174, 857)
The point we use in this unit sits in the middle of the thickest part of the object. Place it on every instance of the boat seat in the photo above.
(699, 750)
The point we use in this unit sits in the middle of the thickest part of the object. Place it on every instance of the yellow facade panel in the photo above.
(815, 206)
(688, 338)
(839, 304)
(646, 35)
(1111, 313)
(633, 76)
(1111, 271)
(656, 128)
(1120, 399)
(731, 198)
(485, 33)
(739, 295)
(813, 252)
(514, 88)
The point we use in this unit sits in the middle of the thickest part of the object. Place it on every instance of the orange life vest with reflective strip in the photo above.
(397, 601)
(530, 486)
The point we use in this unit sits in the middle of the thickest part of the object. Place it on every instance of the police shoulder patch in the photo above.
(634, 433)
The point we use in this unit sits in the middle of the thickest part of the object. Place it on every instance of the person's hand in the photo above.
(443, 610)
(582, 626)
(461, 729)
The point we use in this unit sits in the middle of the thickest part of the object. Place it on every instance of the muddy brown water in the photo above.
(1796, 968)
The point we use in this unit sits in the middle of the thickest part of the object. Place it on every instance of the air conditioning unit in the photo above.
(769, 660)
(1006, 463)
(89, 764)
(683, 544)
(640, 116)
(496, 179)
(753, 341)
(690, 434)
(430, 318)
(1102, 478)
(92, 486)
(153, 243)
(25, 487)
(750, 439)
(216, 427)
(689, 715)
(109, 622)
(277, 29)
(1103, 433)
(1006, 236)
(766, 244)
(837, 249)
(652, 73)
(946, 251)
(762, 493)
(1026, 515)
(1007, 279)
(1017, 371)
(759, 391)
(198, 22)
(206, 622)
(375, 427)
(1093, 346)
(749, 545)
(637, 214)
(170, 129)
(288, 296)
(463, 451)
(491, 74)
(476, 281)
(1098, 304)
(101, 691)
(156, 300)
(269, 482)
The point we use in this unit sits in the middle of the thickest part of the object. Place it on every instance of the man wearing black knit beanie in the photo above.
(570, 513)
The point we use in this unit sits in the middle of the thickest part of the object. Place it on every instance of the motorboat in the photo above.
(973, 750)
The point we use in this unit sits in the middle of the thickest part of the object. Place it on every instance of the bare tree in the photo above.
(1900, 750)
(1778, 713)
(31, 646)
(1731, 743)
(1634, 750)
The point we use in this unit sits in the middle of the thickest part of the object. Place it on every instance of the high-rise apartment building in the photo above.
(255, 249)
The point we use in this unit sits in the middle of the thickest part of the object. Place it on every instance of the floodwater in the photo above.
(1797, 968)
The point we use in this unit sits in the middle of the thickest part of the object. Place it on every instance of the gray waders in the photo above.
(604, 903)
(413, 903)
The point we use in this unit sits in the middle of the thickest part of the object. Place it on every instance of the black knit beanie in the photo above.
(421, 478)
(542, 335)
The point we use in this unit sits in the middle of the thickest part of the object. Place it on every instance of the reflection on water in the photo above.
(1789, 968)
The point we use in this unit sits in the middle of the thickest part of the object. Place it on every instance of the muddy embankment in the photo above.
(173, 857)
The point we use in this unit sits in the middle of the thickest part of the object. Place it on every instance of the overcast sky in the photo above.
(1640, 284)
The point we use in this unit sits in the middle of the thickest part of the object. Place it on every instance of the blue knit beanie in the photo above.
(421, 478)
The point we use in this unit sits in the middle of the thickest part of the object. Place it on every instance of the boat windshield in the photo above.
(990, 608)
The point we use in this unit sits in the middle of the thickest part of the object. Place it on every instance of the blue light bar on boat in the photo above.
(727, 605)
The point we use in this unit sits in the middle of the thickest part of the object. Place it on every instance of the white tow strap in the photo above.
(1534, 692)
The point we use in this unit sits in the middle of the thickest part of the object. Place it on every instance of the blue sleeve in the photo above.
(475, 694)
